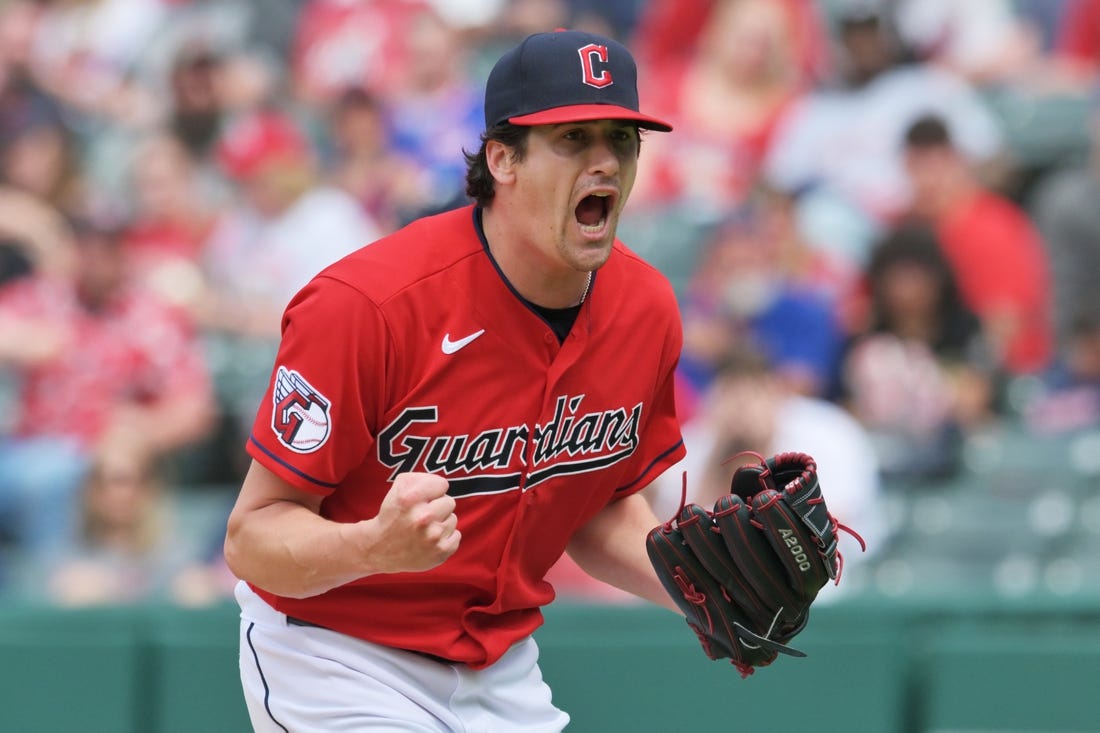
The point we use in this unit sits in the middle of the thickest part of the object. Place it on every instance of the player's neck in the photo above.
(535, 276)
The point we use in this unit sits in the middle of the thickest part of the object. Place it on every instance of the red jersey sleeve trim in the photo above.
(286, 466)
(640, 482)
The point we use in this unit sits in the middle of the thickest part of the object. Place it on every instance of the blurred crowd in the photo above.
(881, 218)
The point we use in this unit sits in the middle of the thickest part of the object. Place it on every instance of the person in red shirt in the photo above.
(668, 32)
(452, 408)
(726, 96)
(96, 361)
(994, 249)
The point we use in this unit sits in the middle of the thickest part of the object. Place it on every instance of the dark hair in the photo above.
(928, 131)
(917, 243)
(743, 360)
(15, 263)
(1084, 323)
(356, 98)
(480, 185)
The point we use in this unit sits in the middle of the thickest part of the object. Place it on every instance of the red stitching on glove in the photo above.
(772, 501)
(691, 595)
(704, 641)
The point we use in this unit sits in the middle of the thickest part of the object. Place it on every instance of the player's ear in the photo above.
(501, 160)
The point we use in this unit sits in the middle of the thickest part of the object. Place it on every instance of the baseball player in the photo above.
(452, 408)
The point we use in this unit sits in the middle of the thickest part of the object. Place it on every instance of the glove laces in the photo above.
(836, 528)
(693, 596)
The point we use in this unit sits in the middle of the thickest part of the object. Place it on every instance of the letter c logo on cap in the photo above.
(591, 55)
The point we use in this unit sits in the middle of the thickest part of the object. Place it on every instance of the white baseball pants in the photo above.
(305, 679)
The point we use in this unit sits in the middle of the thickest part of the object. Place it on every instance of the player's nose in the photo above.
(603, 156)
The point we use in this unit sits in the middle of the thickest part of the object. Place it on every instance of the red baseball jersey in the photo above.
(136, 350)
(415, 354)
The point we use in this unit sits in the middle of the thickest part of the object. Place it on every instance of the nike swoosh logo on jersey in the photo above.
(450, 347)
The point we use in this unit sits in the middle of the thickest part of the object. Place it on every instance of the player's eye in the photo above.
(625, 138)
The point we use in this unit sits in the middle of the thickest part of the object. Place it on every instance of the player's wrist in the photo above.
(362, 541)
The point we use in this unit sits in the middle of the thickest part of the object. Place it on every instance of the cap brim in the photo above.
(587, 113)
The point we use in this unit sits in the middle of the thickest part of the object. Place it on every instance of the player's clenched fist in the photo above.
(416, 525)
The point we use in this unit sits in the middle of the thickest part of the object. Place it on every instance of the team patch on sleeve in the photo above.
(300, 415)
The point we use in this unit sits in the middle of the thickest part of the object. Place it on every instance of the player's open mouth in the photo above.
(592, 212)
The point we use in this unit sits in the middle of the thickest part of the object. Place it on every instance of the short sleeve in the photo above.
(318, 417)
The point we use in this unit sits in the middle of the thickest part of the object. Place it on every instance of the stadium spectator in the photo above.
(435, 112)
(831, 272)
(287, 226)
(1066, 212)
(196, 110)
(40, 157)
(919, 374)
(994, 249)
(986, 42)
(744, 294)
(1069, 219)
(724, 99)
(667, 32)
(363, 161)
(130, 545)
(208, 83)
(839, 146)
(172, 213)
(1003, 49)
(96, 361)
(85, 54)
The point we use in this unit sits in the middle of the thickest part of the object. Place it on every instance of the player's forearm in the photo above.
(286, 549)
(277, 539)
(611, 548)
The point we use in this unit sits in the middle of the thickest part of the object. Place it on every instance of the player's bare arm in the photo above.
(277, 539)
(611, 548)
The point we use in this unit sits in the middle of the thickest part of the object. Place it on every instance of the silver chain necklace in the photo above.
(587, 285)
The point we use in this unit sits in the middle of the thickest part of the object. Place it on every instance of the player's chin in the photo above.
(591, 253)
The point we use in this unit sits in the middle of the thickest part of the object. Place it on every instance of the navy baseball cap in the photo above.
(565, 76)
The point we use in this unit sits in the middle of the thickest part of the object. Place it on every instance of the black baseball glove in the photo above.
(746, 572)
